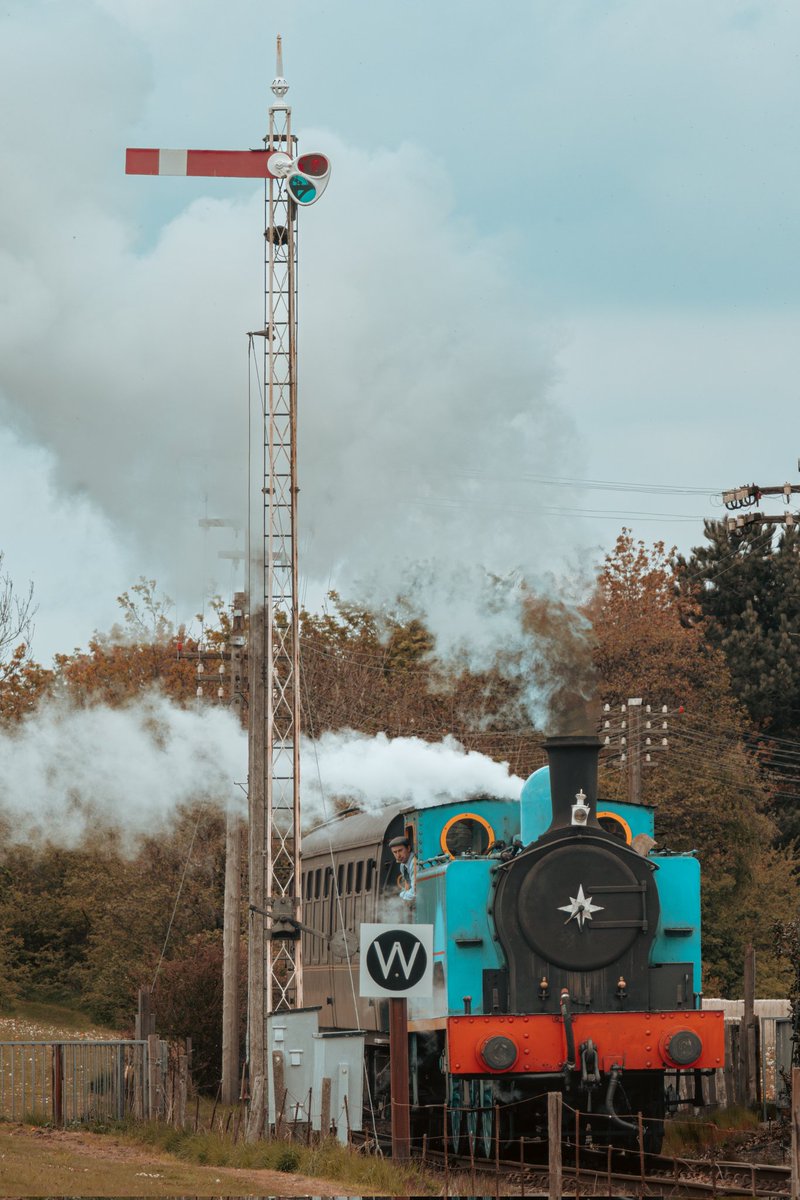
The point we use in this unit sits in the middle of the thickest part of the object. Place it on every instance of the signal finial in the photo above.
(279, 85)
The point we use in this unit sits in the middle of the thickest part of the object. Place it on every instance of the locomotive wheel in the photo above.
(487, 1119)
(477, 1098)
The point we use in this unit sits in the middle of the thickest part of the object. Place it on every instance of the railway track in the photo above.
(623, 1174)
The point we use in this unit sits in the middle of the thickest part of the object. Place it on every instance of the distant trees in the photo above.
(22, 680)
(747, 588)
(714, 635)
(92, 923)
(709, 790)
(377, 672)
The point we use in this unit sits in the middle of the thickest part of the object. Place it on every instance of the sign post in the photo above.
(398, 1077)
(397, 962)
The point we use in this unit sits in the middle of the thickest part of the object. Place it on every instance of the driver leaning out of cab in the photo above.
(407, 861)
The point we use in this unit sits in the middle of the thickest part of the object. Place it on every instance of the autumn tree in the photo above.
(142, 653)
(710, 796)
(378, 672)
(22, 680)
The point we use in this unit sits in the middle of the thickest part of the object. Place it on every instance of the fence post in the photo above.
(795, 1133)
(577, 1152)
(497, 1149)
(58, 1084)
(325, 1109)
(554, 1144)
(728, 1072)
(153, 1071)
(120, 1083)
(748, 1032)
(145, 1017)
(256, 1114)
(279, 1088)
(183, 1089)
(445, 1149)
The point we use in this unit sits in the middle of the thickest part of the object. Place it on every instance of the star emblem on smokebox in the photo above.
(580, 908)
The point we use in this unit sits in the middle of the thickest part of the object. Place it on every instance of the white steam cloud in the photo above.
(373, 772)
(424, 366)
(66, 771)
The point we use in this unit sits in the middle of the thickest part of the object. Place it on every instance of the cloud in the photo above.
(421, 357)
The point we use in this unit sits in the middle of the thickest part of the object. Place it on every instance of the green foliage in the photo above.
(687, 1138)
(787, 947)
(288, 1159)
(91, 922)
(188, 1002)
(747, 587)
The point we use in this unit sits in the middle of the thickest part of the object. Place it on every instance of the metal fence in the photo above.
(73, 1082)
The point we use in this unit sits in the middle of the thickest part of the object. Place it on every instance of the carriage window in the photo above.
(466, 834)
(359, 876)
(370, 875)
(349, 888)
(328, 879)
(317, 882)
(340, 879)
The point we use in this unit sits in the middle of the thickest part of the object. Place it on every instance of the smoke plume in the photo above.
(66, 770)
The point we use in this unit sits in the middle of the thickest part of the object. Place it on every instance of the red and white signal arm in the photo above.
(306, 176)
(396, 960)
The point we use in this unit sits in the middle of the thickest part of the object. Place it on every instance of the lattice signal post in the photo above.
(290, 181)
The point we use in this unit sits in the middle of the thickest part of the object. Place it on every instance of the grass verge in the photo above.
(57, 1019)
(688, 1138)
(370, 1174)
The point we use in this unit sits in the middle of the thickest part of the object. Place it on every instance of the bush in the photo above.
(188, 1003)
(288, 1160)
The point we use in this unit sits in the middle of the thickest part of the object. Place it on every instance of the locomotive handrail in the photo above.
(568, 1030)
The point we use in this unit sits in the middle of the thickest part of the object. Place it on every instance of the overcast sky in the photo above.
(559, 247)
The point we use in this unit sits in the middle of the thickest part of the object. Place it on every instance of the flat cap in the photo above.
(399, 841)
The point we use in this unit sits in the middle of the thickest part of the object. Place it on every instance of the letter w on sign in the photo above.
(397, 952)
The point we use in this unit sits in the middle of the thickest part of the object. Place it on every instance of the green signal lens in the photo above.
(302, 189)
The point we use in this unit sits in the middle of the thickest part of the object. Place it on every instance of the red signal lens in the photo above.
(313, 164)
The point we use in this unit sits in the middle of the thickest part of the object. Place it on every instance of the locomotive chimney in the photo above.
(573, 780)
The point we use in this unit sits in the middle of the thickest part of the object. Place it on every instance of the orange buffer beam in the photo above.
(635, 1041)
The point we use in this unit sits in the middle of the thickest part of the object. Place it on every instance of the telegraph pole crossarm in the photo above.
(737, 499)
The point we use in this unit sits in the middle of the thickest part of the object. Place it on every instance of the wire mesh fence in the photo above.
(72, 1081)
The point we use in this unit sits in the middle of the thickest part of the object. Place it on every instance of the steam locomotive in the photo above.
(566, 954)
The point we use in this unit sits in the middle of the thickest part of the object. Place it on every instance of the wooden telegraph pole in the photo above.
(231, 931)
